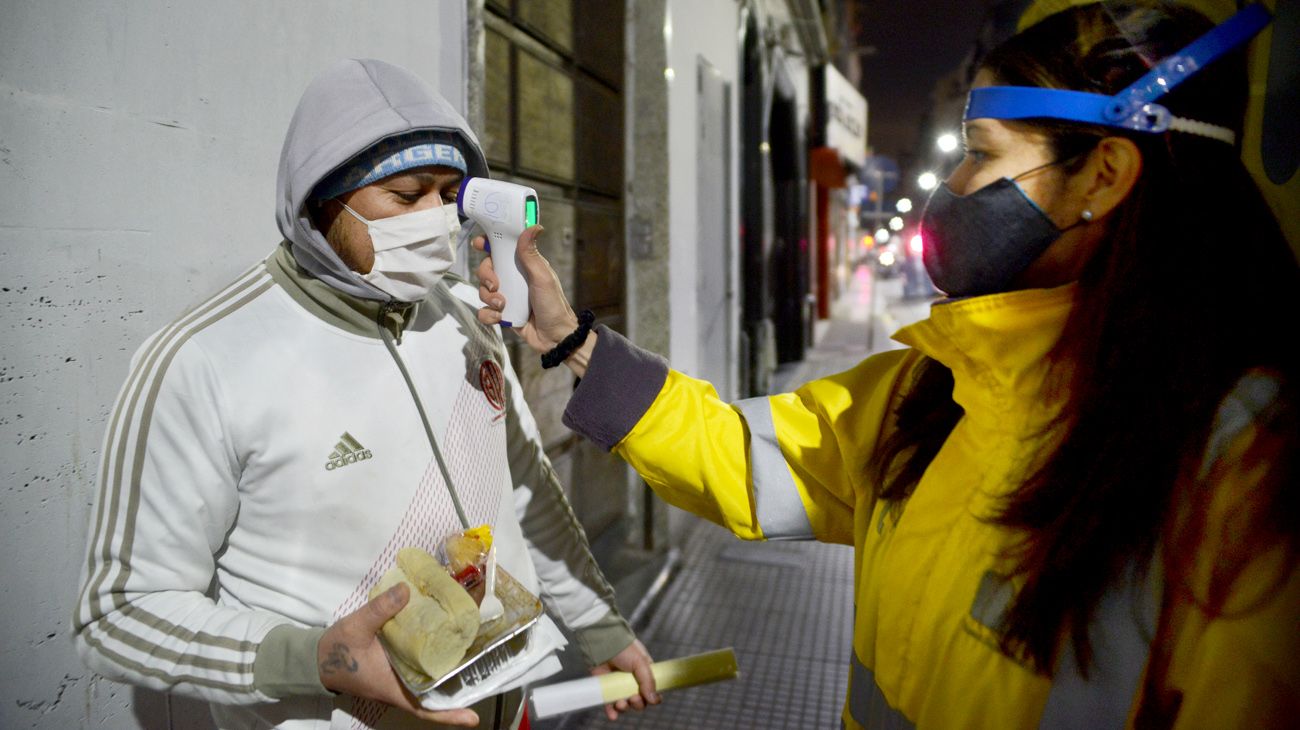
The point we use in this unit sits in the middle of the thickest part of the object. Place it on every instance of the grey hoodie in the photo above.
(347, 108)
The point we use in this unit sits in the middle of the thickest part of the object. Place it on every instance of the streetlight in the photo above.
(928, 181)
(895, 224)
(882, 236)
(904, 205)
(947, 142)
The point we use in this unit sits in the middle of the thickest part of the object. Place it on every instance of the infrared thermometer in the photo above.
(503, 210)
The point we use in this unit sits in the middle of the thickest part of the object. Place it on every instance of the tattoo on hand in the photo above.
(339, 659)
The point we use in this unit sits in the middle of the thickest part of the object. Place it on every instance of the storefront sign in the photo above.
(846, 117)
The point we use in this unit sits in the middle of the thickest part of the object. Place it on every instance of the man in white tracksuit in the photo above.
(274, 447)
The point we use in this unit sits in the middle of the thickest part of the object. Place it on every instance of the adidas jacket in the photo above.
(268, 455)
(264, 462)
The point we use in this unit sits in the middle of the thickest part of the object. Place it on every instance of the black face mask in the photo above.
(976, 244)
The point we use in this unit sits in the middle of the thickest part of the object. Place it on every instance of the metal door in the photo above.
(713, 293)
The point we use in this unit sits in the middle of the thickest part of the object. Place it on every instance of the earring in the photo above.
(1086, 215)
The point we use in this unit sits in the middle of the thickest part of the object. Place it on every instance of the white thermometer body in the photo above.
(503, 210)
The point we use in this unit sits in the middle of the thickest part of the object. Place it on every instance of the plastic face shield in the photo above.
(1135, 107)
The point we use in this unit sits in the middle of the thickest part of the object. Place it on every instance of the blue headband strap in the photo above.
(1028, 102)
(1171, 71)
(1134, 107)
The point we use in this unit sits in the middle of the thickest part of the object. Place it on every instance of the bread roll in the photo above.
(439, 622)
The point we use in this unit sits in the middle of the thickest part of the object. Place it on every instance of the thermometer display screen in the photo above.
(530, 212)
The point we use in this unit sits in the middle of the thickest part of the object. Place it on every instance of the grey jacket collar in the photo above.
(347, 312)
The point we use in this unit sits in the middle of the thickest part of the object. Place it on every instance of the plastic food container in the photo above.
(497, 642)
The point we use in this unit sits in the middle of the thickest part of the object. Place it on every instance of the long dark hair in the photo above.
(1193, 287)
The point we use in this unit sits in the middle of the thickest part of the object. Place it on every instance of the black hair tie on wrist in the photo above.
(562, 351)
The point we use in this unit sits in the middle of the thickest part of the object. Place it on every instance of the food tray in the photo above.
(497, 642)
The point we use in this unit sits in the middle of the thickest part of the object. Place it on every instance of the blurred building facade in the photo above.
(671, 142)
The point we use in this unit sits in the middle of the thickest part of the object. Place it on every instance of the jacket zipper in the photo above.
(384, 310)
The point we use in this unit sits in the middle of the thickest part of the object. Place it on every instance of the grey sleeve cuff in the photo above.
(600, 641)
(286, 663)
(622, 381)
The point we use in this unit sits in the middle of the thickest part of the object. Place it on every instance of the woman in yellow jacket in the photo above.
(1073, 498)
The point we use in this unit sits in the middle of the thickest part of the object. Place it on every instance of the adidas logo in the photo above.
(347, 451)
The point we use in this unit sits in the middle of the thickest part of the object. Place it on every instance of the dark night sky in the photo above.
(917, 42)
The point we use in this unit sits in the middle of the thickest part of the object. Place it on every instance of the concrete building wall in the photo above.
(646, 174)
(138, 151)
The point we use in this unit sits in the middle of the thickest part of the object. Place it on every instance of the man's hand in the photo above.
(352, 661)
(634, 659)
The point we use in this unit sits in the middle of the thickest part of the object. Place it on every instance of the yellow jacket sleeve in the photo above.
(750, 465)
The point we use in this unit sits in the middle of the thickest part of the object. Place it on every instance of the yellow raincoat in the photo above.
(930, 585)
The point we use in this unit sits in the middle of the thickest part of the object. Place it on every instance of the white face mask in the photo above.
(412, 251)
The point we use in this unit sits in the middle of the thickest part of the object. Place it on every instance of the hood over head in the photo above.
(348, 108)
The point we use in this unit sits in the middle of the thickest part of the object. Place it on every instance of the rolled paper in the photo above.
(688, 671)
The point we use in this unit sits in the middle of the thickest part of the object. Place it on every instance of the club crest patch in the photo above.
(493, 383)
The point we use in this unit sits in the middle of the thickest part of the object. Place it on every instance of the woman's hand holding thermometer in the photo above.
(550, 318)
